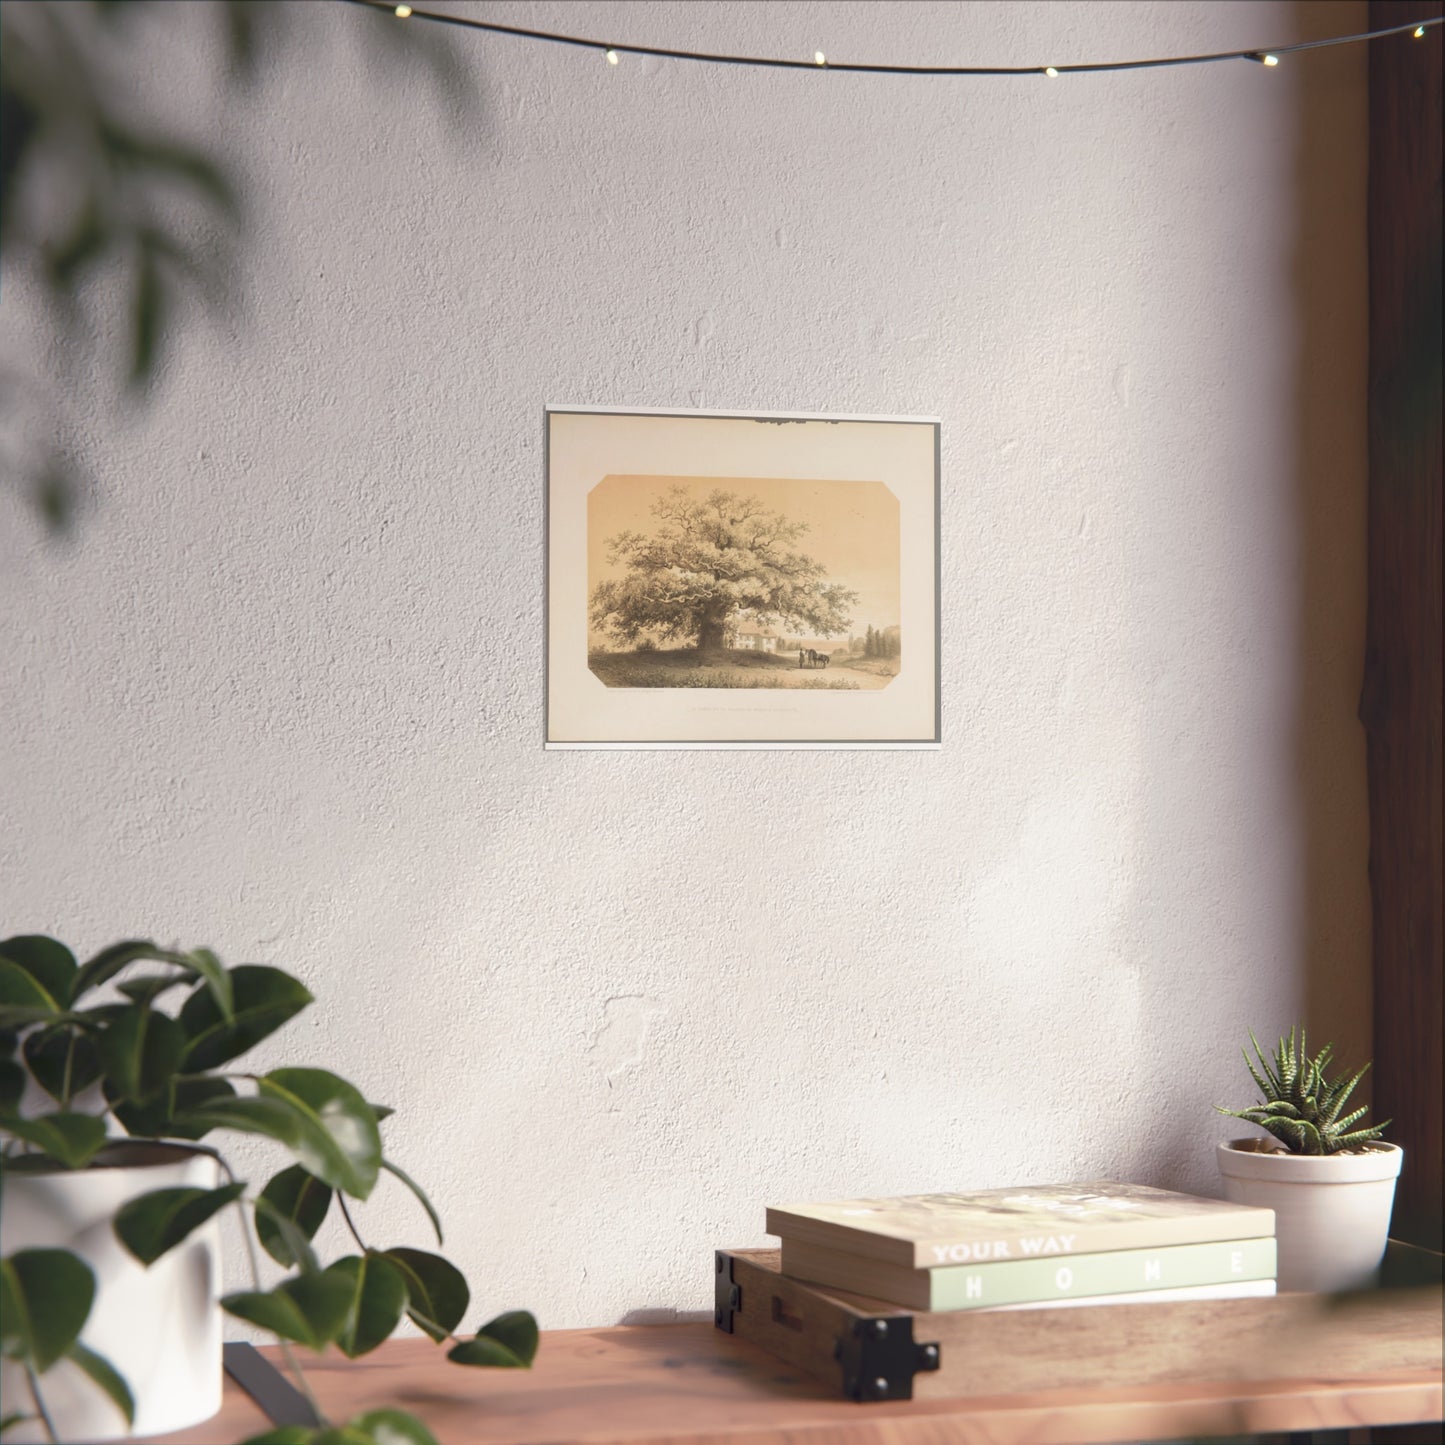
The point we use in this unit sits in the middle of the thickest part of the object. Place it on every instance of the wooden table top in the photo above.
(694, 1385)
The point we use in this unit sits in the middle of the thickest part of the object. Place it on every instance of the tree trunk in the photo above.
(711, 634)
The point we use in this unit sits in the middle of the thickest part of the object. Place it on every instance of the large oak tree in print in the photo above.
(709, 562)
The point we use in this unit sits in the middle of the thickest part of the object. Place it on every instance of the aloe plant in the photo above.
(1302, 1108)
(169, 1075)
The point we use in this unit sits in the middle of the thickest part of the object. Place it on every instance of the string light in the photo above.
(1260, 56)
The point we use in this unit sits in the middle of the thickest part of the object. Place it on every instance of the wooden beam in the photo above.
(1400, 702)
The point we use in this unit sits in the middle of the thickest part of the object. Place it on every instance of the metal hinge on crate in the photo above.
(880, 1358)
(727, 1296)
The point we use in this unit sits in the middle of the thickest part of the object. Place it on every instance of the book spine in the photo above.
(1248, 1289)
(1116, 1272)
(1137, 1234)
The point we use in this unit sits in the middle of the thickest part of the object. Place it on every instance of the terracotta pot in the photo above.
(160, 1327)
(1331, 1211)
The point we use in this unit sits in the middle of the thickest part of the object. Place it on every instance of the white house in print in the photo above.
(754, 641)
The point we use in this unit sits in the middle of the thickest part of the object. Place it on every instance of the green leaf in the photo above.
(329, 1139)
(14, 1323)
(341, 1435)
(163, 1116)
(45, 1299)
(1360, 1136)
(63, 1060)
(310, 1310)
(507, 1342)
(269, 1117)
(187, 1094)
(296, 1196)
(340, 1143)
(151, 1224)
(12, 1086)
(295, 1243)
(378, 1296)
(210, 968)
(382, 1111)
(104, 1374)
(141, 1051)
(392, 1427)
(264, 998)
(73, 1139)
(23, 999)
(148, 989)
(109, 962)
(437, 1293)
(142, 1121)
(416, 1189)
(96, 1019)
(1338, 1126)
(50, 964)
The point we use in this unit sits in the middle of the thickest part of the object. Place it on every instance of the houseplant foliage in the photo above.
(1329, 1181)
(1301, 1107)
(158, 1052)
(93, 186)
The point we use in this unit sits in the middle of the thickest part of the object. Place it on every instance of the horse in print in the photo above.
(818, 659)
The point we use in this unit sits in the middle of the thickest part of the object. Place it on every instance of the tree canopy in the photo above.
(711, 562)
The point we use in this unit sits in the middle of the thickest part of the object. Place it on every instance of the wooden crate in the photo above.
(871, 1350)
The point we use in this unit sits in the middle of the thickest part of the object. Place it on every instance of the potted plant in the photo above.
(110, 1193)
(1331, 1185)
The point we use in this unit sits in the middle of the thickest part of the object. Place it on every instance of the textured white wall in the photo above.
(282, 695)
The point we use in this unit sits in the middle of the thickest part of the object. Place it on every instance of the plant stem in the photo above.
(291, 1361)
(39, 1403)
(69, 1066)
(346, 1215)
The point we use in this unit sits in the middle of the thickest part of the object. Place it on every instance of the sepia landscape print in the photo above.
(700, 582)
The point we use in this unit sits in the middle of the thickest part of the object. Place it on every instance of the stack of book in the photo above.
(1031, 1247)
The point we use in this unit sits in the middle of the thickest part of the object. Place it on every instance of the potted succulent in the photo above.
(112, 1086)
(1331, 1185)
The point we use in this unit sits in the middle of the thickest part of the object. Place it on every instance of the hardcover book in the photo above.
(925, 1231)
(1033, 1281)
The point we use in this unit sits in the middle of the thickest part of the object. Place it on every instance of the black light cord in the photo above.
(612, 49)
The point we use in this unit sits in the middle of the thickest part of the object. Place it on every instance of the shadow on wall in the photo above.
(1331, 304)
(1323, 899)
(91, 186)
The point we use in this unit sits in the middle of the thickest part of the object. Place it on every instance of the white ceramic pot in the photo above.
(160, 1327)
(1331, 1211)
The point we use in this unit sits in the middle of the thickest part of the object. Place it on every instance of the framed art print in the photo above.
(730, 580)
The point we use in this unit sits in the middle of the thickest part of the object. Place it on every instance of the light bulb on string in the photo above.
(1260, 57)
